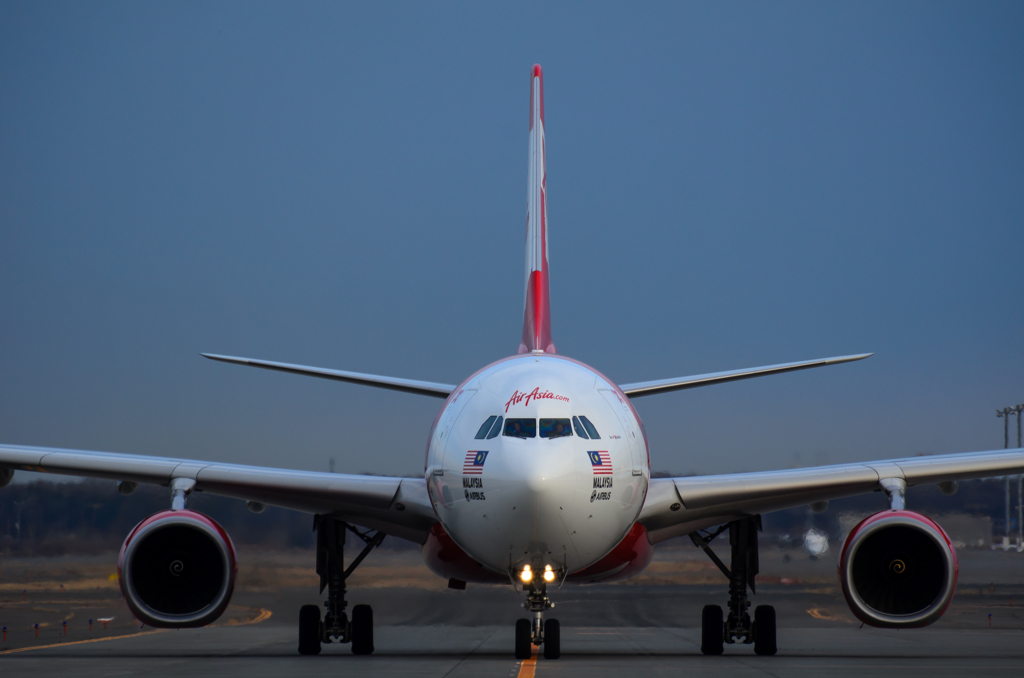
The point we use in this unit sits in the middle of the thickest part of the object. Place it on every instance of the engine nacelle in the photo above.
(177, 569)
(898, 569)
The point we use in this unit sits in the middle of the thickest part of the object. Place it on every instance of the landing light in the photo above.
(548, 574)
(526, 575)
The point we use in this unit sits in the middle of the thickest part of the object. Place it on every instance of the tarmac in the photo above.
(591, 652)
(650, 628)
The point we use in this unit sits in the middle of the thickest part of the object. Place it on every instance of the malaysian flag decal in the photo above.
(602, 463)
(474, 464)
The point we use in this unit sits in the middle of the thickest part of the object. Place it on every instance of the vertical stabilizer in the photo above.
(537, 314)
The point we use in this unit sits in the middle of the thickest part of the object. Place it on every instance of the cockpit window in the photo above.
(591, 431)
(555, 428)
(485, 428)
(521, 428)
(495, 430)
(579, 428)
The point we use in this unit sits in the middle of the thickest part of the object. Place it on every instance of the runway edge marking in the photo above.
(264, 615)
(82, 642)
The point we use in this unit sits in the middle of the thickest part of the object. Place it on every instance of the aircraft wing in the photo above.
(396, 506)
(679, 506)
(643, 388)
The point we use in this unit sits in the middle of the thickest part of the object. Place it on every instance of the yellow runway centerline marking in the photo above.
(82, 642)
(528, 667)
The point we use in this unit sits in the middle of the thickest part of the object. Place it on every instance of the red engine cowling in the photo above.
(898, 569)
(177, 569)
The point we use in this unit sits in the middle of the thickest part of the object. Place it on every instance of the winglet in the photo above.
(537, 311)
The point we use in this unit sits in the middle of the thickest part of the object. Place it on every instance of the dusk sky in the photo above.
(344, 185)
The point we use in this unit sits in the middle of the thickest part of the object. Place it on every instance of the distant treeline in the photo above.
(974, 497)
(46, 518)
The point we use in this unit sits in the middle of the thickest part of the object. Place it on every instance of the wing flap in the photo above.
(706, 491)
(963, 466)
(703, 501)
(329, 490)
(85, 464)
(398, 506)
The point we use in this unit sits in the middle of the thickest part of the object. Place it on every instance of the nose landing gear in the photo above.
(540, 632)
(738, 626)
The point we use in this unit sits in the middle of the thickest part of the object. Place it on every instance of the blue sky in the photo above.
(344, 185)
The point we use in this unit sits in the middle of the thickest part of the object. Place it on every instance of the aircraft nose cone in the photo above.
(538, 480)
(543, 481)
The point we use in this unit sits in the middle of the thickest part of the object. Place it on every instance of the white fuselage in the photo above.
(562, 501)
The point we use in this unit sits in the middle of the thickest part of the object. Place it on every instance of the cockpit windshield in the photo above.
(591, 431)
(555, 428)
(521, 428)
(495, 430)
(485, 427)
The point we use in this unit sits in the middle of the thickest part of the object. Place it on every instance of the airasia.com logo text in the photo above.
(535, 394)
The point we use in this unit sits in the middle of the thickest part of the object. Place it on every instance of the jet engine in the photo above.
(898, 569)
(177, 569)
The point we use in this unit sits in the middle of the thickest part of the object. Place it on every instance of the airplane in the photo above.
(537, 474)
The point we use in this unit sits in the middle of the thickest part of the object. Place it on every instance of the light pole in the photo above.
(1020, 490)
(1018, 410)
(1005, 414)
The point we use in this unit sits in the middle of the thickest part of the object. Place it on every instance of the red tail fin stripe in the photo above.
(537, 306)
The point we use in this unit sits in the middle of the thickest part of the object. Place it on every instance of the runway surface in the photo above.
(590, 652)
(423, 629)
(607, 631)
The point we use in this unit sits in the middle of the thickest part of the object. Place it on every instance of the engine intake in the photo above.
(177, 570)
(898, 569)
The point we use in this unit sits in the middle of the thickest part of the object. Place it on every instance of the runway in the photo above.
(591, 652)
(607, 631)
(650, 628)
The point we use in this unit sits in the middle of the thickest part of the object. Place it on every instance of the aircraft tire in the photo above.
(764, 630)
(552, 639)
(362, 629)
(712, 630)
(309, 629)
(524, 639)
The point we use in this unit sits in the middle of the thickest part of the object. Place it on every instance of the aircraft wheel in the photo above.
(309, 629)
(764, 630)
(362, 629)
(552, 639)
(712, 630)
(524, 639)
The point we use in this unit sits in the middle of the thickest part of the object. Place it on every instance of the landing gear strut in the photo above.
(330, 565)
(738, 626)
(540, 632)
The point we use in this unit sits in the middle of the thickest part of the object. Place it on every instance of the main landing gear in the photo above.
(738, 626)
(540, 632)
(330, 565)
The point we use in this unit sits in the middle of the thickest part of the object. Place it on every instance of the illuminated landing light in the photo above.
(548, 574)
(526, 575)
